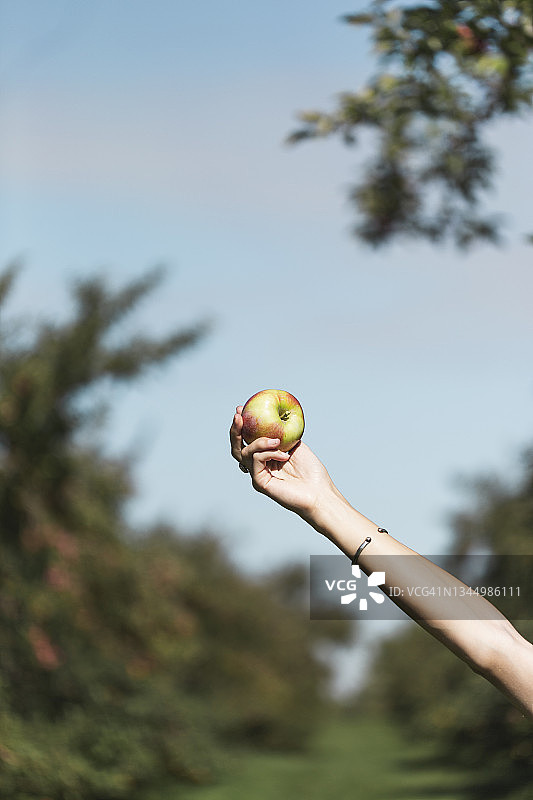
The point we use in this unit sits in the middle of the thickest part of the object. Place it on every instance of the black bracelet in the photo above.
(363, 545)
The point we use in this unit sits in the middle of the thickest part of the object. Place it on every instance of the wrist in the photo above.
(335, 518)
(330, 505)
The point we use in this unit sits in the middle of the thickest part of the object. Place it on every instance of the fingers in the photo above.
(236, 441)
(270, 455)
(260, 471)
(235, 435)
(263, 443)
(256, 454)
(258, 446)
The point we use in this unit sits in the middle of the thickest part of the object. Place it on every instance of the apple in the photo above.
(471, 42)
(276, 414)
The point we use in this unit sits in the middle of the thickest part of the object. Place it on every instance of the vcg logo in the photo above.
(358, 587)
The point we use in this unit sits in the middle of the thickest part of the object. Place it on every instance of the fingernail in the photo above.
(273, 441)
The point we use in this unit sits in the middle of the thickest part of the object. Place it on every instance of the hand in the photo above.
(296, 480)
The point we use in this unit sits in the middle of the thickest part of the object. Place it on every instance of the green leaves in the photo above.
(430, 692)
(357, 19)
(7, 279)
(41, 382)
(127, 661)
(446, 70)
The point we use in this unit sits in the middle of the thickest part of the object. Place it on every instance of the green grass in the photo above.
(362, 759)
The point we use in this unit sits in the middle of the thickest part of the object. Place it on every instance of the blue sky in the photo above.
(143, 132)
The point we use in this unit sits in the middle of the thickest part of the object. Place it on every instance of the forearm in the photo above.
(474, 630)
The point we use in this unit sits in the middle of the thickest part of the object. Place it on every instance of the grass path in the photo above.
(362, 759)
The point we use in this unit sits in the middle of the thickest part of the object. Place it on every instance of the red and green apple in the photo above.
(276, 414)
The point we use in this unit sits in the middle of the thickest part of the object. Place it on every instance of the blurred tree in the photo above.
(447, 69)
(424, 687)
(124, 660)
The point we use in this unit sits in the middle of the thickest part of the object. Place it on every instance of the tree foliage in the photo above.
(125, 660)
(446, 70)
(427, 689)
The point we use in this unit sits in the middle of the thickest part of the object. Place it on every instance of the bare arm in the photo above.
(478, 634)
